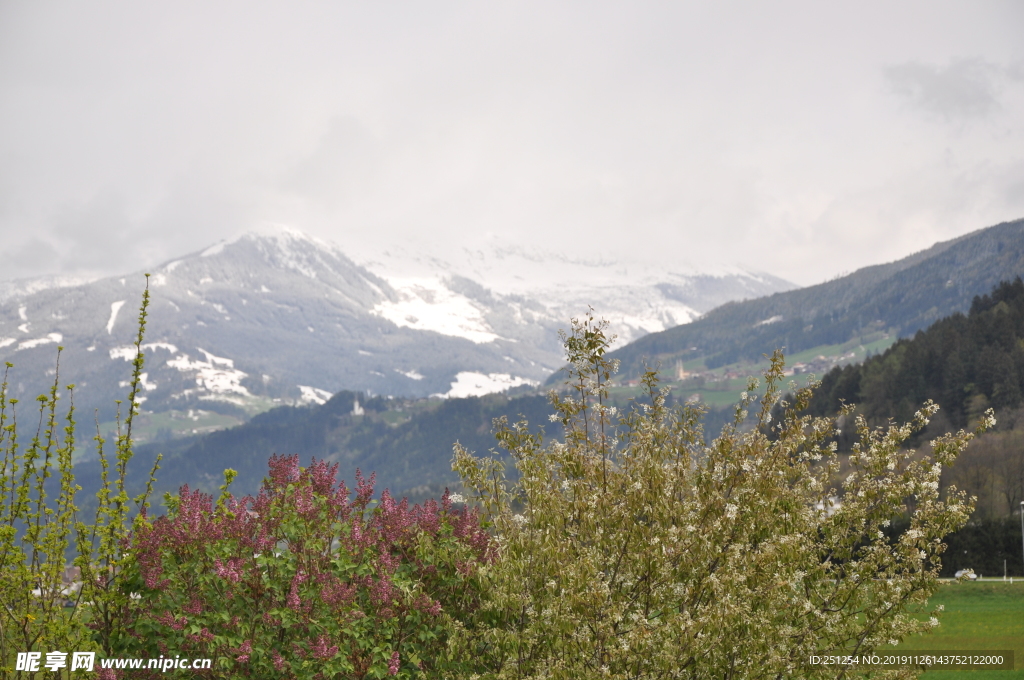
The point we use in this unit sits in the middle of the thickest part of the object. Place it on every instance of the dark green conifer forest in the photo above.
(964, 363)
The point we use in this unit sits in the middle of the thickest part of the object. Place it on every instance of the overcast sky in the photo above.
(803, 139)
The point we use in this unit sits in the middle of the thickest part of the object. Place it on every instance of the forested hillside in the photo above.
(407, 444)
(965, 363)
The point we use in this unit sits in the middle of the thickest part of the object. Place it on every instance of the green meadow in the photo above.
(977, 616)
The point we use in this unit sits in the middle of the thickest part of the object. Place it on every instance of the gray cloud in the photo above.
(748, 133)
(343, 165)
(965, 88)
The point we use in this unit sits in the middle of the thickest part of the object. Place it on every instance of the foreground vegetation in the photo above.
(638, 551)
(629, 547)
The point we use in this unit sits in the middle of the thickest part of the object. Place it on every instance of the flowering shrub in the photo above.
(302, 581)
(633, 549)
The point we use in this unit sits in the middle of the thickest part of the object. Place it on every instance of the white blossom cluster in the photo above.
(635, 550)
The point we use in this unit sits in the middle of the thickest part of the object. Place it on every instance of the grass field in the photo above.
(718, 391)
(980, 615)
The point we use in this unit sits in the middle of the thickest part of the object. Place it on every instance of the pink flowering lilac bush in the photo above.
(306, 580)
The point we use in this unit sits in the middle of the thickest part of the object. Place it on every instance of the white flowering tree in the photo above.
(632, 549)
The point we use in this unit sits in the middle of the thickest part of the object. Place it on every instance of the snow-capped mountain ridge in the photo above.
(636, 298)
(286, 318)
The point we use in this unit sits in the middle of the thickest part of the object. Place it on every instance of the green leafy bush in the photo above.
(35, 534)
(635, 550)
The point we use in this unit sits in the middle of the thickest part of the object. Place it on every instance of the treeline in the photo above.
(407, 445)
(990, 546)
(966, 364)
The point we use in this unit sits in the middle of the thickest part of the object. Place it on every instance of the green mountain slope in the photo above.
(407, 444)
(964, 363)
(903, 296)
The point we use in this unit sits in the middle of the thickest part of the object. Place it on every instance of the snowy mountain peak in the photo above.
(636, 298)
(282, 317)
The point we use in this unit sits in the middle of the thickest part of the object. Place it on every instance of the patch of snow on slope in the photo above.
(429, 305)
(506, 268)
(7, 341)
(29, 344)
(24, 327)
(144, 382)
(217, 374)
(637, 297)
(473, 384)
(646, 318)
(21, 313)
(313, 395)
(115, 307)
(632, 312)
(771, 320)
(128, 353)
(412, 375)
(217, 248)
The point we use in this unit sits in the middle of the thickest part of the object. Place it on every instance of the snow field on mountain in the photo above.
(427, 304)
(474, 384)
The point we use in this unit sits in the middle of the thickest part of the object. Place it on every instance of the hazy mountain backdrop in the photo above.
(408, 442)
(285, 319)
